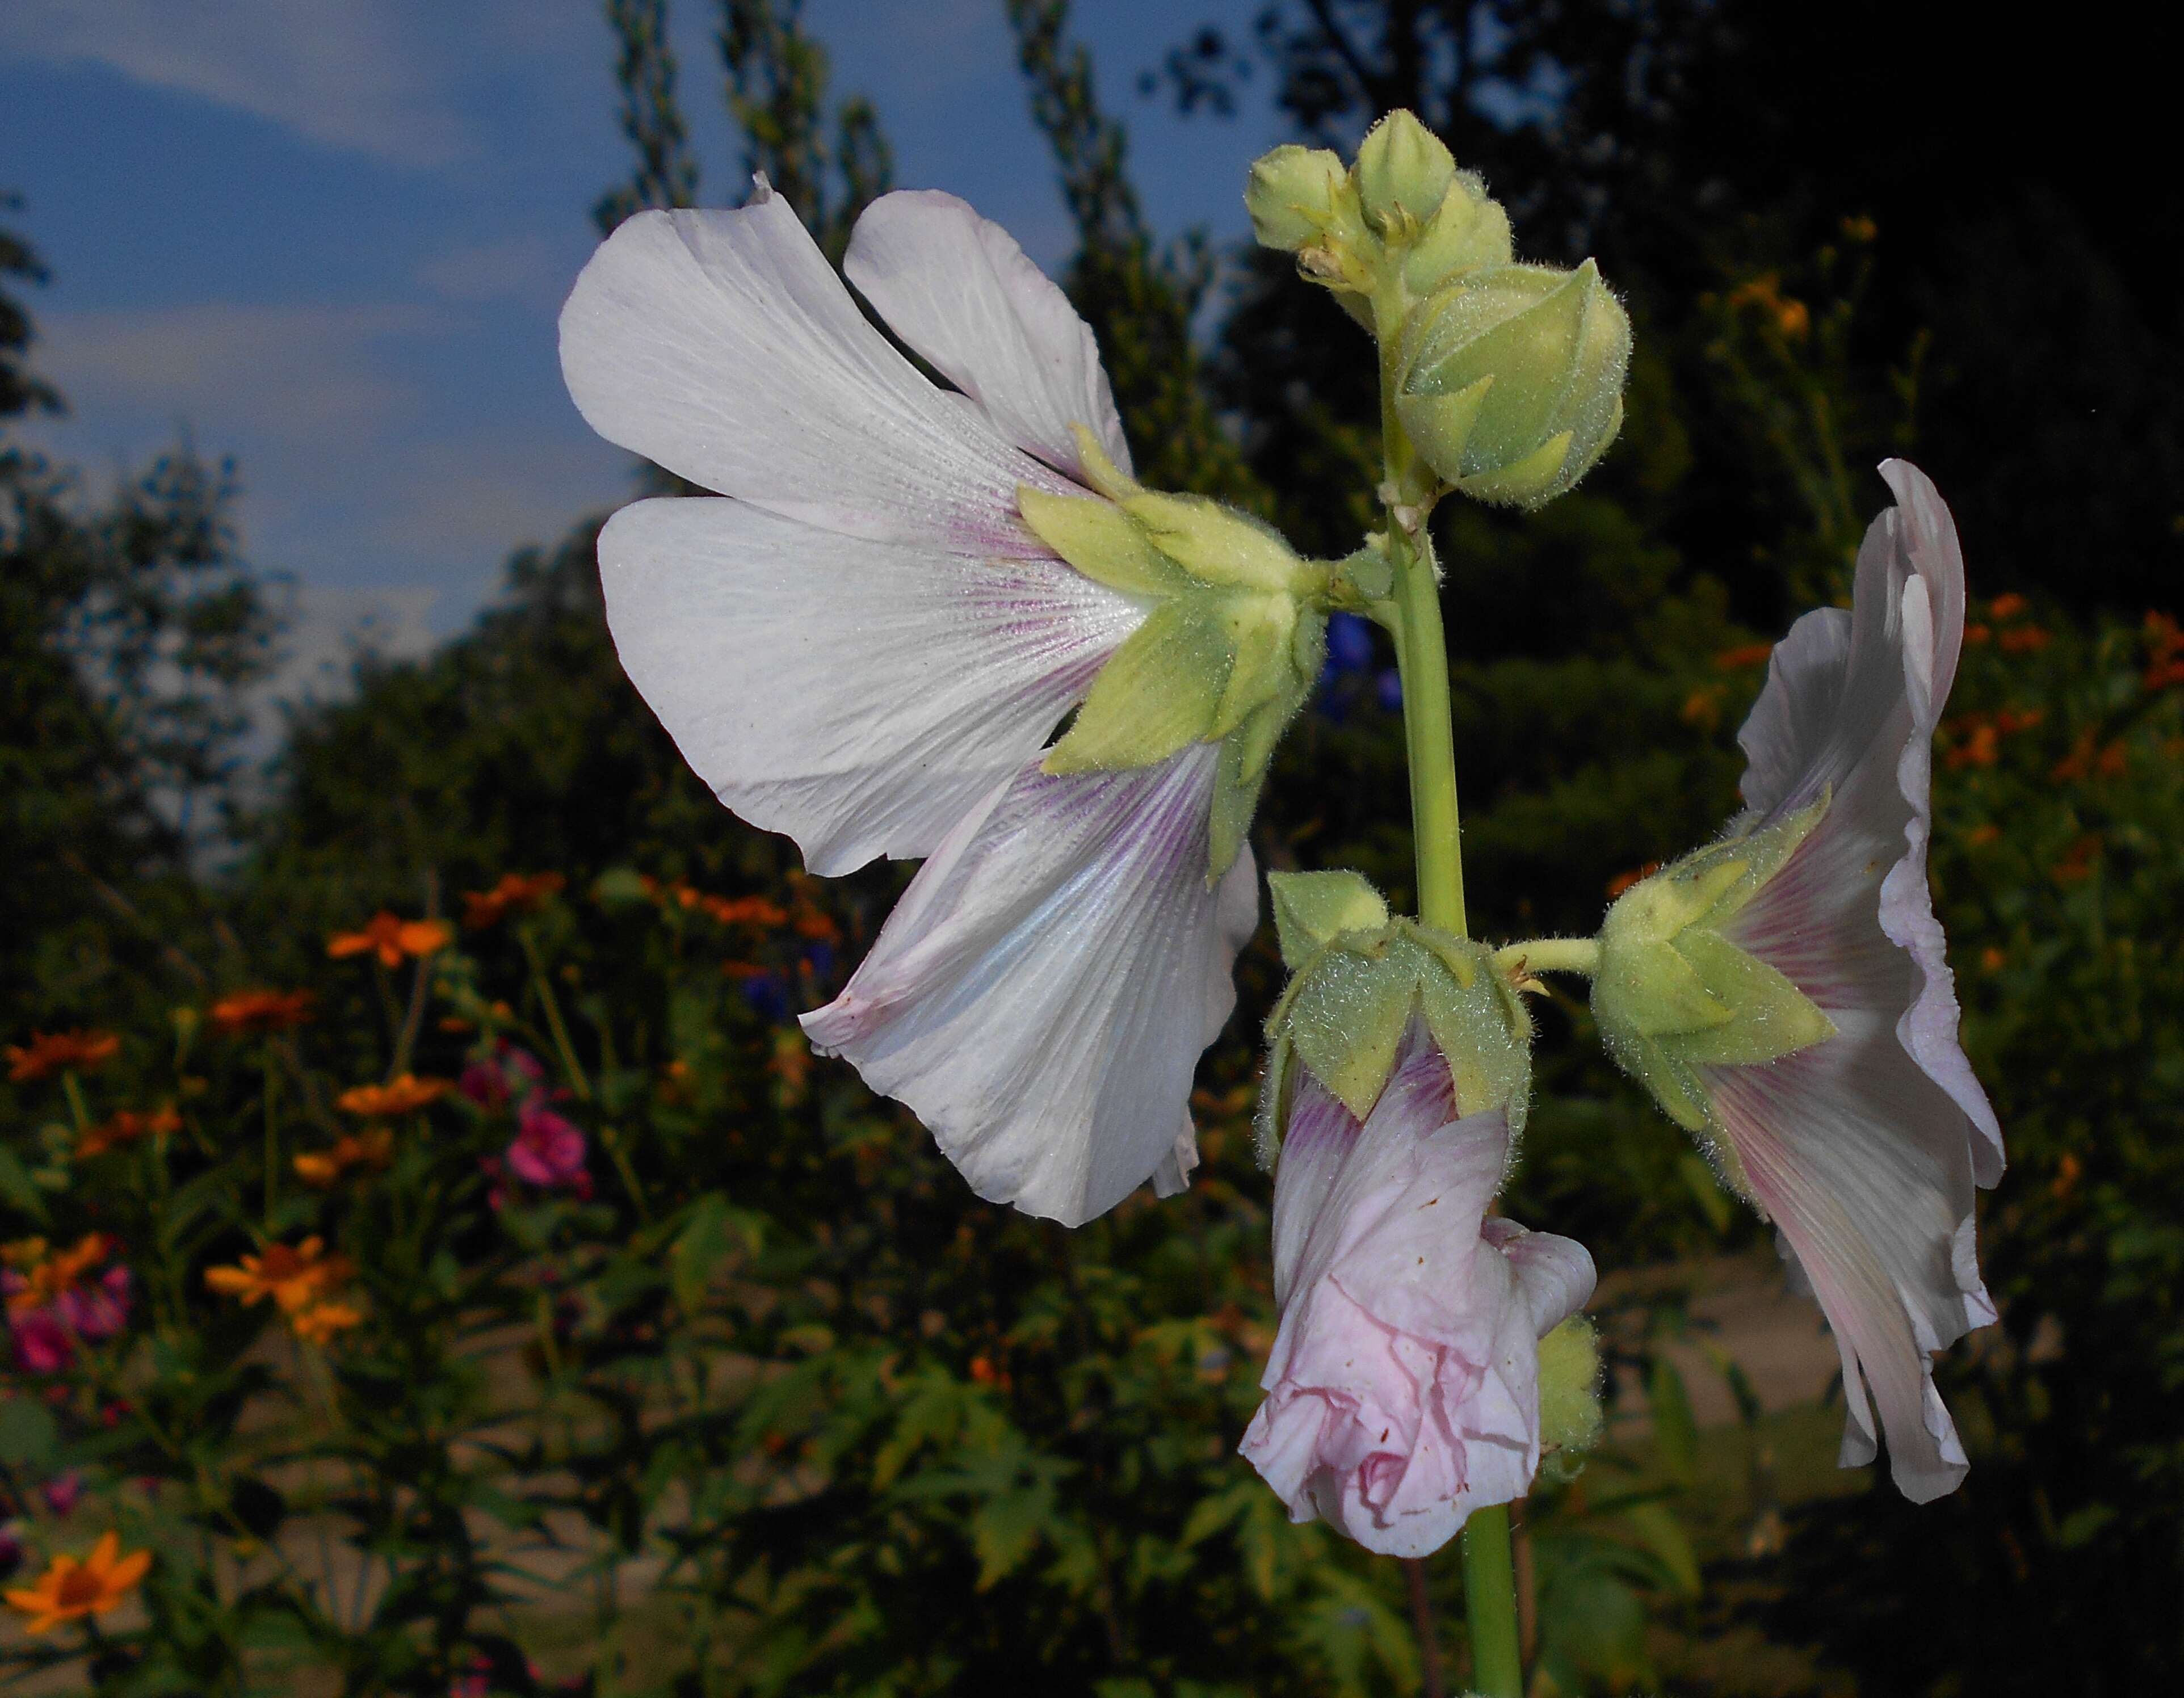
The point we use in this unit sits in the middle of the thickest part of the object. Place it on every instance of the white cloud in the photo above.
(361, 76)
(308, 372)
(528, 268)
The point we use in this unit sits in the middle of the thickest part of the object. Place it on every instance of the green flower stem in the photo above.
(1551, 955)
(577, 1081)
(1490, 1597)
(1422, 657)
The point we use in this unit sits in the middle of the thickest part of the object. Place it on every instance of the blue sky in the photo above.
(330, 237)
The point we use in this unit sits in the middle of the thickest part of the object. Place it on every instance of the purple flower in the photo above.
(97, 1311)
(1349, 643)
(548, 1150)
(1864, 1144)
(61, 1491)
(508, 1075)
(1403, 1389)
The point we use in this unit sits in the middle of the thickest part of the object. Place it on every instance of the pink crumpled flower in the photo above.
(43, 1344)
(97, 1311)
(508, 1075)
(548, 1150)
(1403, 1389)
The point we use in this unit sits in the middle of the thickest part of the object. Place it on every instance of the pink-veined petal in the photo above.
(722, 346)
(958, 289)
(861, 696)
(1039, 996)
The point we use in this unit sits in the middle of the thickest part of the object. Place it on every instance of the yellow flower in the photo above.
(293, 1278)
(391, 939)
(69, 1589)
(50, 1053)
(401, 1096)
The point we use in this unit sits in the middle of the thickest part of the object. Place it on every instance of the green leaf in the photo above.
(1006, 1528)
(1675, 1432)
(1714, 1203)
(29, 1438)
(17, 1188)
(1663, 1534)
(699, 1248)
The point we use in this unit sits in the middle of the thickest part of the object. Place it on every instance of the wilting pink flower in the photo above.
(510, 1074)
(62, 1492)
(548, 1150)
(1864, 1148)
(865, 646)
(43, 1344)
(98, 1310)
(1403, 1389)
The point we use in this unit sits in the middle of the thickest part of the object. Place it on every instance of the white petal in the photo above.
(1861, 1161)
(956, 288)
(1039, 996)
(722, 346)
(1315, 1143)
(861, 696)
(1555, 1275)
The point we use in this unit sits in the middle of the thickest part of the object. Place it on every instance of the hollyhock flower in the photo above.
(548, 1150)
(868, 644)
(1403, 1389)
(1786, 995)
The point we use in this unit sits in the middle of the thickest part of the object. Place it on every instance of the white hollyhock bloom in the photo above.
(859, 643)
(1862, 1133)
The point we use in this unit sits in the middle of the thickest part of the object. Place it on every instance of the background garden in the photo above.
(428, 1237)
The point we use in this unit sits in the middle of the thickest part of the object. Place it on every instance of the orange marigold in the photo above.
(261, 1010)
(48, 1275)
(2006, 606)
(744, 911)
(126, 1127)
(69, 1589)
(391, 939)
(1744, 654)
(319, 1322)
(294, 1276)
(403, 1095)
(517, 893)
(373, 1148)
(48, 1053)
(2025, 639)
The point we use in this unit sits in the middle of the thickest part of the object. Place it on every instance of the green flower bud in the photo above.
(1364, 975)
(1469, 231)
(1512, 379)
(1295, 195)
(1570, 1390)
(1403, 171)
(1672, 994)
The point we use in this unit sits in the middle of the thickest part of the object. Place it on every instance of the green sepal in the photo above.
(1235, 800)
(1102, 542)
(1528, 482)
(1217, 545)
(1441, 426)
(1312, 910)
(1259, 629)
(1673, 994)
(1100, 472)
(1158, 693)
(1347, 1018)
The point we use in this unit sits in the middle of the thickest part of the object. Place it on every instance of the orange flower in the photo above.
(1702, 708)
(261, 1010)
(294, 1278)
(2077, 864)
(2006, 606)
(391, 939)
(1976, 634)
(516, 894)
(744, 911)
(1981, 746)
(1623, 881)
(49, 1276)
(373, 1148)
(69, 1589)
(406, 1095)
(1979, 836)
(1746, 655)
(126, 1127)
(319, 1322)
(50, 1053)
(2026, 639)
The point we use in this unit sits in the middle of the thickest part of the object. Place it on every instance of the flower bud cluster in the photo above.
(1509, 378)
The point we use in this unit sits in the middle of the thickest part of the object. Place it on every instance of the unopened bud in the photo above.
(1512, 379)
(1469, 231)
(1403, 171)
(1569, 1388)
(1294, 196)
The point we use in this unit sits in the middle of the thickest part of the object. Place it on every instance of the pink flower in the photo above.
(43, 1344)
(1403, 1389)
(548, 1150)
(1864, 1145)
